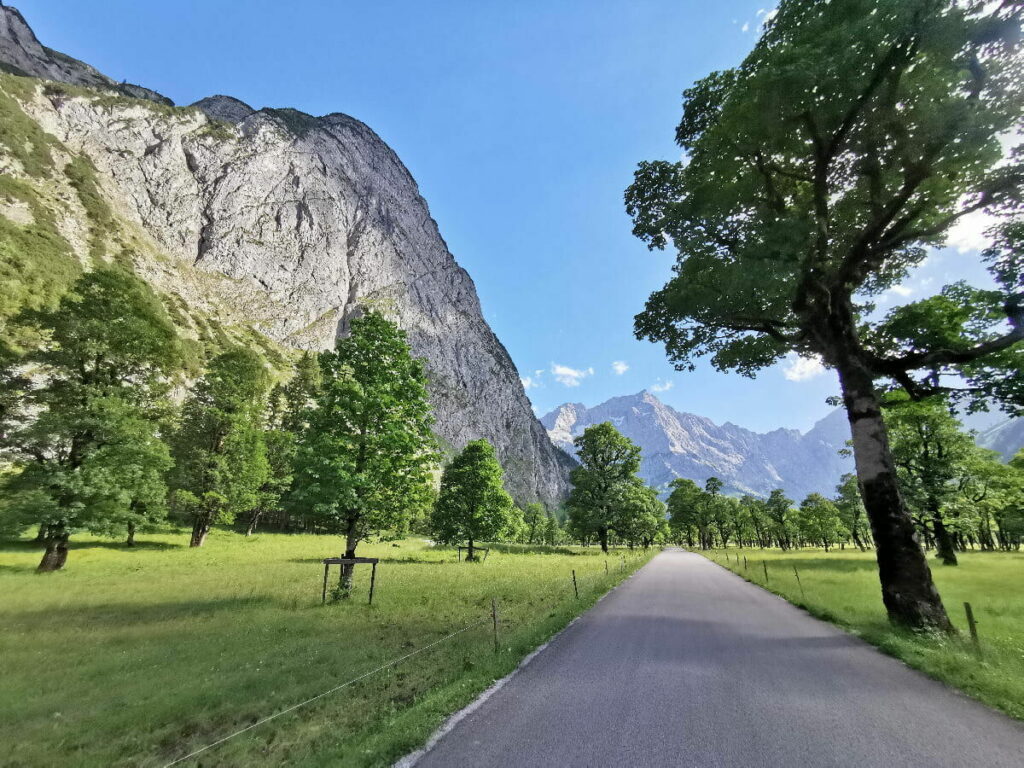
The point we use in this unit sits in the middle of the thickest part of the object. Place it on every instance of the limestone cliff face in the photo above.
(290, 223)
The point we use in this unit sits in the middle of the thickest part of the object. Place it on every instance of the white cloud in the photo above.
(745, 27)
(620, 367)
(901, 291)
(662, 386)
(534, 381)
(570, 377)
(802, 368)
(968, 234)
(767, 15)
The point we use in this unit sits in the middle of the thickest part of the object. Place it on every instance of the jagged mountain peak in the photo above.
(681, 444)
(226, 108)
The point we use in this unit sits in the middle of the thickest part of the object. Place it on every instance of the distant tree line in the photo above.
(961, 497)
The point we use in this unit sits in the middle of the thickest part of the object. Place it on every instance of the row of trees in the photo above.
(704, 517)
(961, 497)
(97, 442)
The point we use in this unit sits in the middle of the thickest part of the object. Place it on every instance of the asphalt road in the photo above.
(686, 664)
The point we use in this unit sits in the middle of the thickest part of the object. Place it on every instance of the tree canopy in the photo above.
(473, 505)
(604, 483)
(86, 435)
(219, 450)
(366, 451)
(816, 175)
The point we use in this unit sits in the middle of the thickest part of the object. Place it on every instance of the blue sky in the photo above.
(522, 122)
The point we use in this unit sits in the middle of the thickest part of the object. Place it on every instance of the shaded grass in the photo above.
(842, 587)
(137, 656)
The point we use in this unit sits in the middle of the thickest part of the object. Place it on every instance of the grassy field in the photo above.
(842, 587)
(138, 656)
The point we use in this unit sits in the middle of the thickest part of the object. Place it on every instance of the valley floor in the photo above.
(139, 656)
(842, 586)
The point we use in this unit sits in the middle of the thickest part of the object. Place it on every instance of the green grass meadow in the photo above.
(842, 587)
(138, 656)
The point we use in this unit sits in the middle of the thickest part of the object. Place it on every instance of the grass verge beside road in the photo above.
(135, 656)
(842, 587)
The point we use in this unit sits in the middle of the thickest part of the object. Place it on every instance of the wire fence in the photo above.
(577, 582)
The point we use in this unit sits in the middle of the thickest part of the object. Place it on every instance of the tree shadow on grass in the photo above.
(125, 615)
(823, 563)
(30, 545)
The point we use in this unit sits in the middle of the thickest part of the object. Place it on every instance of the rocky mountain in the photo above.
(269, 225)
(1005, 436)
(677, 444)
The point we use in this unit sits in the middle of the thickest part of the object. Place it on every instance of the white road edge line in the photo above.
(448, 725)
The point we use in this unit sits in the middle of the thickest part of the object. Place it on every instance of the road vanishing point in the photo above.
(687, 664)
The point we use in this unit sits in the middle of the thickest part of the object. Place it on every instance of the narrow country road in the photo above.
(686, 664)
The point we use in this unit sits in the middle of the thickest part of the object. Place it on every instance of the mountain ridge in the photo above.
(269, 222)
(682, 444)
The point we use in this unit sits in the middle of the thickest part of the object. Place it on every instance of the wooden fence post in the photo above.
(606, 566)
(574, 587)
(797, 574)
(744, 563)
(765, 564)
(973, 626)
(324, 598)
(373, 580)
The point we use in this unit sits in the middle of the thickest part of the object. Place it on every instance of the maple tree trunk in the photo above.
(908, 592)
(199, 532)
(351, 542)
(130, 541)
(943, 541)
(56, 553)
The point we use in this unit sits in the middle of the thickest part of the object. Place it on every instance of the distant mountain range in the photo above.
(678, 444)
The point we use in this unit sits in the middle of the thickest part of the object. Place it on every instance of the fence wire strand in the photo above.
(336, 688)
(381, 668)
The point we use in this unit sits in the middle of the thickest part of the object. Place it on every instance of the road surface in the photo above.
(686, 664)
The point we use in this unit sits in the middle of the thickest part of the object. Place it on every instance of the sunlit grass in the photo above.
(842, 587)
(137, 656)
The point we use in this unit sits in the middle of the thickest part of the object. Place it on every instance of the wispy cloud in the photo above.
(570, 377)
(802, 368)
(662, 386)
(620, 367)
(534, 380)
(767, 14)
(968, 234)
